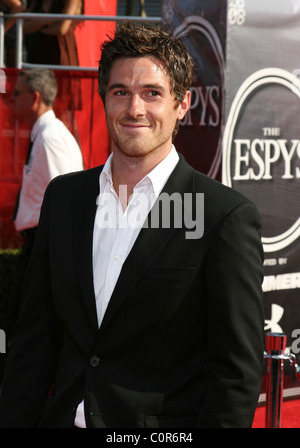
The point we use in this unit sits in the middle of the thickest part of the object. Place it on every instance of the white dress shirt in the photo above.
(54, 152)
(116, 230)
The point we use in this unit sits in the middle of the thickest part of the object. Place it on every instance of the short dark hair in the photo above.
(134, 40)
(43, 81)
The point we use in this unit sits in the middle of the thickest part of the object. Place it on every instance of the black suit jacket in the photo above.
(181, 342)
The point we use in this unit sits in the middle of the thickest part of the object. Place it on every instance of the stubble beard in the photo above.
(136, 147)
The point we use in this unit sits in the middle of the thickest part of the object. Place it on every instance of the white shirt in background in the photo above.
(54, 152)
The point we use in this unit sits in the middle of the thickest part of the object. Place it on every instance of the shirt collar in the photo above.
(158, 176)
(42, 120)
(105, 175)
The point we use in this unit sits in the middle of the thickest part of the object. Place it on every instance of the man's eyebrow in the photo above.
(117, 86)
(146, 86)
(154, 86)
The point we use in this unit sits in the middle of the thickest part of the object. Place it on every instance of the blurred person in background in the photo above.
(52, 42)
(53, 151)
(11, 7)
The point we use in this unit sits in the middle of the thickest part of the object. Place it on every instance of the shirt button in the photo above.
(94, 361)
(117, 258)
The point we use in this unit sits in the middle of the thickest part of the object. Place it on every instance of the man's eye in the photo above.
(153, 93)
(120, 93)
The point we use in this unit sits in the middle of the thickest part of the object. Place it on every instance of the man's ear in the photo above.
(36, 97)
(184, 105)
(38, 106)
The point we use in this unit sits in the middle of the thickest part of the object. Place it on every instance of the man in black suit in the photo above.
(143, 300)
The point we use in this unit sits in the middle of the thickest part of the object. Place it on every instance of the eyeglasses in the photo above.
(20, 92)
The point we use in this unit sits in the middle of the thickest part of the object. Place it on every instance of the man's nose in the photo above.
(136, 106)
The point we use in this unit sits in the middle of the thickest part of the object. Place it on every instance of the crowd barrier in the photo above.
(78, 17)
(275, 344)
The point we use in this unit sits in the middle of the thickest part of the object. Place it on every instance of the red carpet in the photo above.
(290, 417)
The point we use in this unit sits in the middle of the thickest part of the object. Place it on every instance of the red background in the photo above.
(87, 123)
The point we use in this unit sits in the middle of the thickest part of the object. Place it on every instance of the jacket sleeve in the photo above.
(235, 322)
(29, 371)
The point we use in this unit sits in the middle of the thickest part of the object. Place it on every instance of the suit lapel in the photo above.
(148, 244)
(84, 209)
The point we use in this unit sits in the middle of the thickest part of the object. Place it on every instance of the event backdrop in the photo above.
(247, 61)
(261, 146)
(202, 27)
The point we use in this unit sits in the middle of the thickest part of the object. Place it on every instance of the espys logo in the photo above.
(207, 91)
(261, 151)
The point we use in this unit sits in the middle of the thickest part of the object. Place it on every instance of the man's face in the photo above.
(23, 99)
(141, 112)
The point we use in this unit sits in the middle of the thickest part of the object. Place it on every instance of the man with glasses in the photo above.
(53, 151)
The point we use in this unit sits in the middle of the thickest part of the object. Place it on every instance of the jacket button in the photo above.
(94, 361)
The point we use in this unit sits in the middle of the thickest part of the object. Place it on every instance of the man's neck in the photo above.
(129, 171)
(31, 119)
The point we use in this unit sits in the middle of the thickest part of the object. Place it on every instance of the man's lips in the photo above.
(134, 122)
(135, 125)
